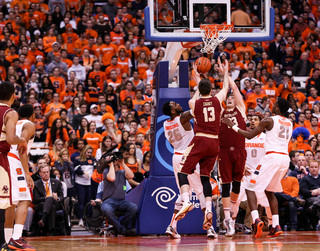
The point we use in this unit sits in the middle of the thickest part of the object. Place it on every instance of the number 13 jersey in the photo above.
(277, 139)
(178, 137)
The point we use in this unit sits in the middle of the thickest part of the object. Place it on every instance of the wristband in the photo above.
(235, 128)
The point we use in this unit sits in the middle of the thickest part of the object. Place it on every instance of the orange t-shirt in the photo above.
(100, 77)
(272, 92)
(255, 99)
(58, 83)
(68, 93)
(93, 140)
(107, 51)
(55, 112)
(70, 40)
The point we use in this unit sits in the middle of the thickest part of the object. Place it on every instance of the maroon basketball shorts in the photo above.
(231, 164)
(202, 150)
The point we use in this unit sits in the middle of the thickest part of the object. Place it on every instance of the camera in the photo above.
(114, 156)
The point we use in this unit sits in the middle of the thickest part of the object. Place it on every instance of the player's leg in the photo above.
(239, 160)
(225, 171)
(8, 224)
(188, 164)
(2, 219)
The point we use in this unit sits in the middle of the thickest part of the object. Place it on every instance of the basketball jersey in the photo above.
(19, 127)
(229, 137)
(178, 137)
(207, 115)
(4, 146)
(255, 151)
(277, 139)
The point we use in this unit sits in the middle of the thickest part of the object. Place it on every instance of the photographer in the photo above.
(113, 197)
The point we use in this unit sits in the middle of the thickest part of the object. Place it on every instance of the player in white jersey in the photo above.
(272, 167)
(255, 152)
(179, 133)
(21, 181)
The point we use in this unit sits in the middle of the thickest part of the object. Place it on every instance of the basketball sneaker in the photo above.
(20, 244)
(207, 223)
(230, 227)
(186, 207)
(172, 233)
(275, 232)
(211, 233)
(258, 225)
(5, 247)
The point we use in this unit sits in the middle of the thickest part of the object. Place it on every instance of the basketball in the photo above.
(203, 65)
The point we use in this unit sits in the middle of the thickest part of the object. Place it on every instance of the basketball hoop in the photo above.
(213, 35)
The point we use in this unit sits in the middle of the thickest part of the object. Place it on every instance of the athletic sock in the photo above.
(8, 234)
(185, 197)
(255, 215)
(173, 223)
(17, 231)
(275, 220)
(208, 206)
(2, 214)
(226, 213)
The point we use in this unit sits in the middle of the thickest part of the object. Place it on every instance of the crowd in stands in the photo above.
(88, 71)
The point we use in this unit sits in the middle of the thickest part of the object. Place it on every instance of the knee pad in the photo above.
(236, 187)
(183, 179)
(225, 190)
(207, 190)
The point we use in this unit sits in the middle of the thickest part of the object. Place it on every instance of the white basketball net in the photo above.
(212, 35)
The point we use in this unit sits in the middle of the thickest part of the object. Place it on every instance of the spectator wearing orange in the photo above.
(67, 96)
(313, 97)
(92, 90)
(302, 120)
(143, 128)
(91, 32)
(141, 48)
(297, 95)
(114, 65)
(70, 39)
(111, 130)
(314, 128)
(57, 81)
(256, 97)
(54, 153)
(311, 29)
(148, 75)
(49, 40)
(267, 63)
(245, 48)
(107, 51)
(124, 60)
(53, 109)
(13, 54)
(56, 132)
(314, 53)
(142, 64)
(270, 90)
(147, 97)
(97, 47)
(138, 102)
(98, 75)
(235, 59)
(113, 80)
(80, 43)
(285, 87)
(117, 35)
(64, 58)
(127, 92)
(93, 138)
(119, 17)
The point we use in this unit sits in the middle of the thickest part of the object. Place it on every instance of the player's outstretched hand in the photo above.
(30, 181)
(221, 67)
(228, 122)
(22, 147)
(197, 77)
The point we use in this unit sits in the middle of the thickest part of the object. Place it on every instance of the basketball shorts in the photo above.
(5, 182)
(194, 179)
(269, 173)
(231, 164)
(20, 190)
(261, 197)
(201, 150)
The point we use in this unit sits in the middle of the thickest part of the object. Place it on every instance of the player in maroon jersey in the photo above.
(8, 137)
(232, 156)
(204, 146)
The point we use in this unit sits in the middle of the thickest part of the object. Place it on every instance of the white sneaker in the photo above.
(211, 233)
(207, 223)
(172, 233)
(230, 227)
(186, 207)
(81, 223)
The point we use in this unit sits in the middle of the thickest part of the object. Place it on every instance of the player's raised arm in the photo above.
(223, 68)
(196, 94)
(266, 123)
(237, 96)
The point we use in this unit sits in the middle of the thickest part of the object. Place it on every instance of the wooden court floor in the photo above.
(289, 241)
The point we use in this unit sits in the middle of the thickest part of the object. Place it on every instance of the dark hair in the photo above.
(144, 156)
(166, 108)
(25, 111)
(292, 153)
(205, 86)
(124, 148)
(6, 90)
(63, 110)
(283, 105)
(54, 130)
(257, 115)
